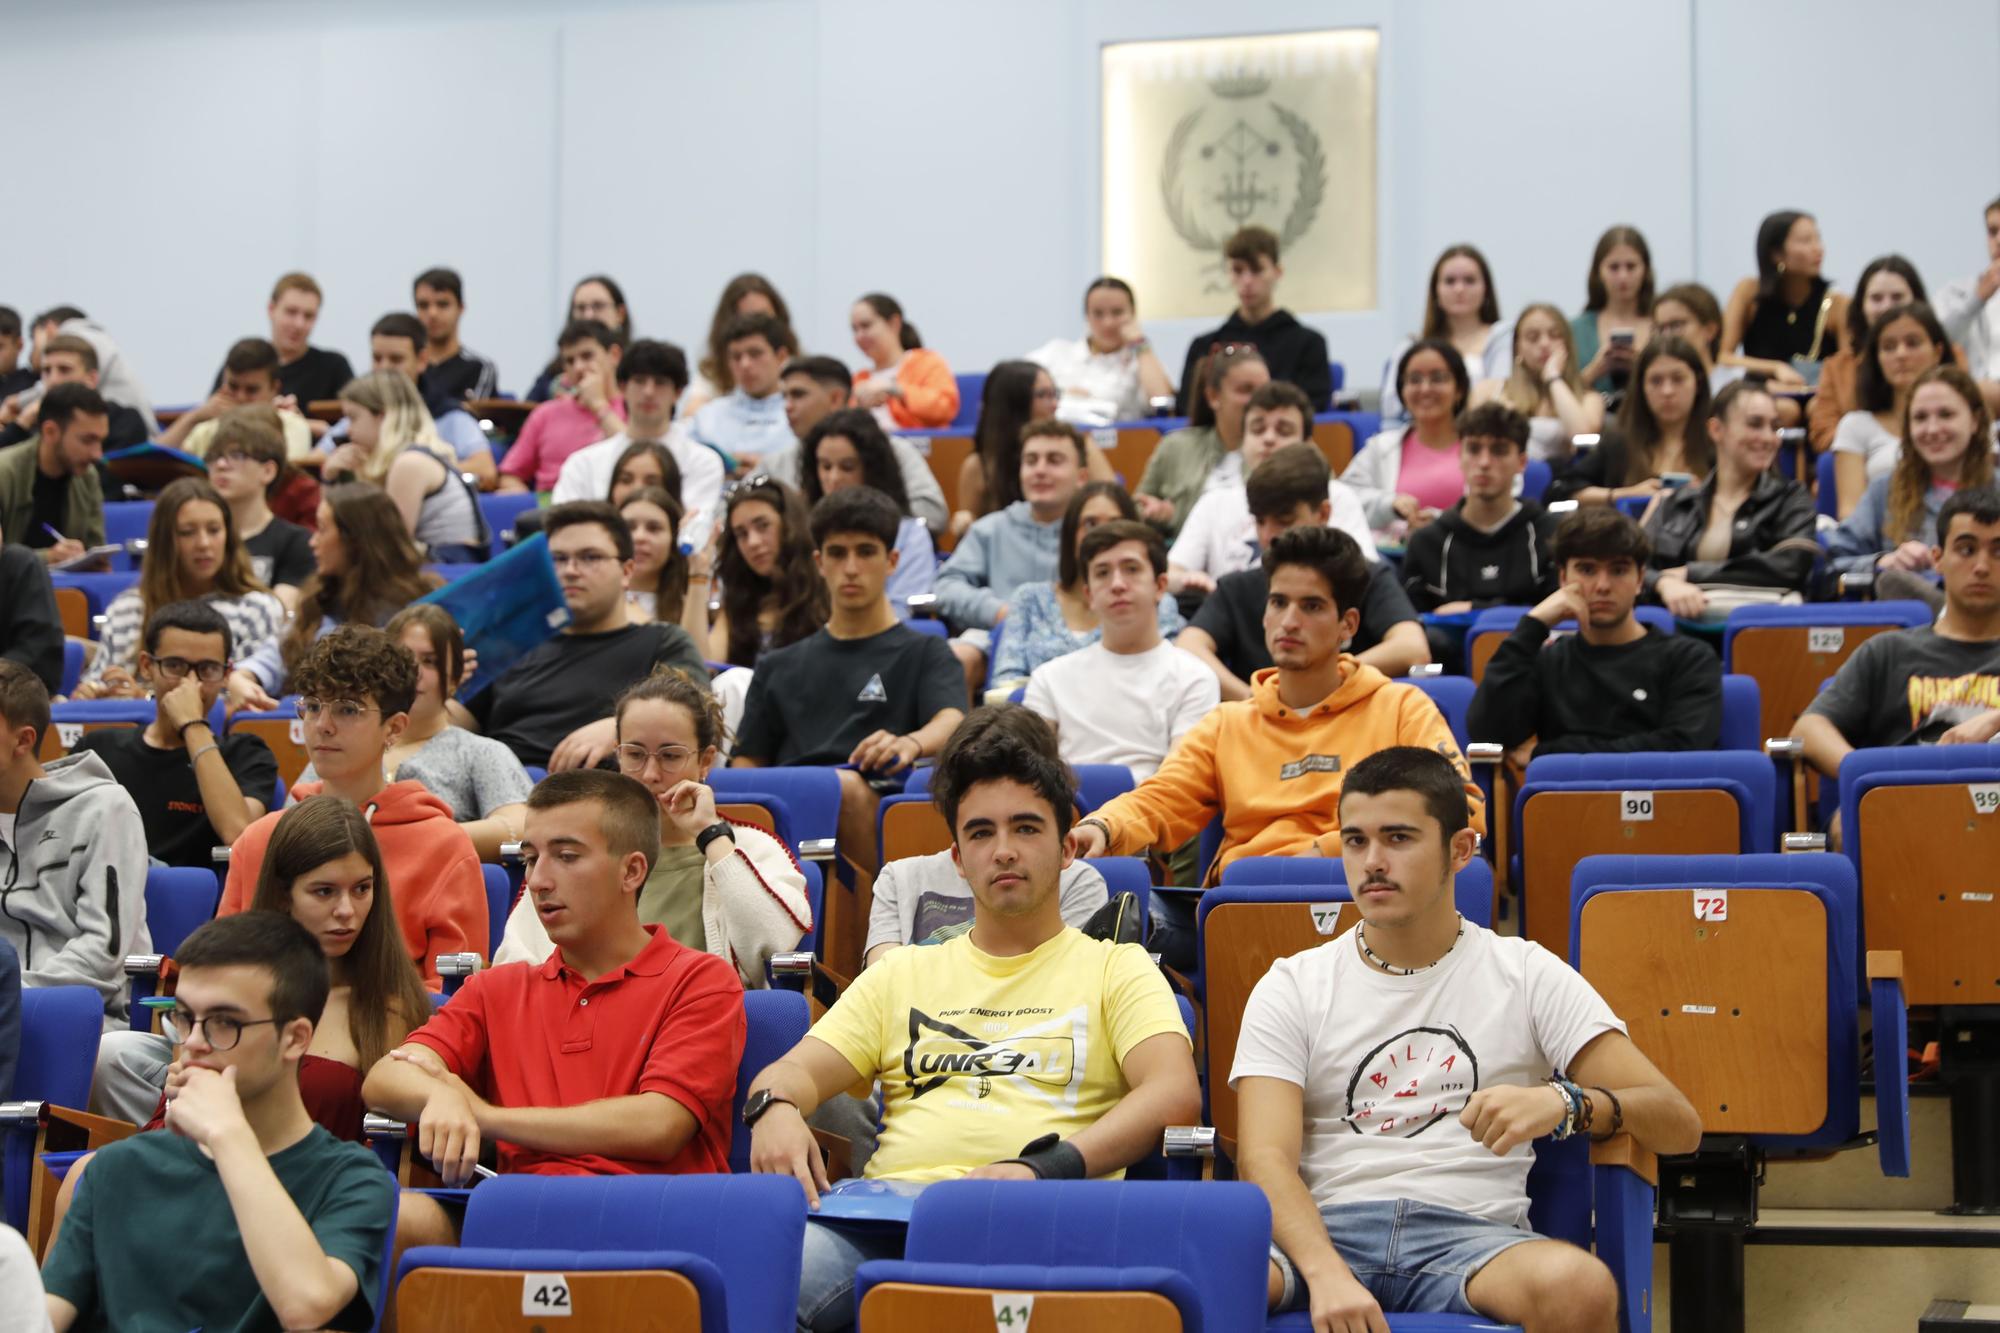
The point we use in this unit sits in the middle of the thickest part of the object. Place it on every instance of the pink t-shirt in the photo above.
(1432, 475)
(552, 432)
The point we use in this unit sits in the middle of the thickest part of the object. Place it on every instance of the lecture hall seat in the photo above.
(1107, 1256)
(1739, 977)
(710, 1253)
(1575, 805)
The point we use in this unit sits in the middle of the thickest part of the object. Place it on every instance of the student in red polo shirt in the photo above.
(617, 1055)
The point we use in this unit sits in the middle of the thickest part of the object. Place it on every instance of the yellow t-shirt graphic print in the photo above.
(978, 1055)
(1043, 1057)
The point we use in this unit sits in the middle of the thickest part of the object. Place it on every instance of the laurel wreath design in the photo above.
(1309, 194)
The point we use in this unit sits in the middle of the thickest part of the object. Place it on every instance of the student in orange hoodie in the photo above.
(1271, 765)
(355, 688)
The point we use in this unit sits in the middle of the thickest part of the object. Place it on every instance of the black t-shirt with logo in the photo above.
(281, 553)
(162, 784)
(1233, 615)
(813, 701)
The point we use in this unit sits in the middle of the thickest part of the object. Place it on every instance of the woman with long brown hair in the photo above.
(1661, 433)
(772, 593)
(369, 568)
(1617, 316)
(1946, 446)
(193, 553)
(1461, 308)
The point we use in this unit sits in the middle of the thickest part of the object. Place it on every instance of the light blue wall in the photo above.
(169, 159)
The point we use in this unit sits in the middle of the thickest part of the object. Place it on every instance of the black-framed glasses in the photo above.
(220, 1031)
(344, 712)
(208, 671)
(671, 758)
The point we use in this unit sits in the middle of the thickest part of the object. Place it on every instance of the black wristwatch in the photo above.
(721, 828)
(761, 1101)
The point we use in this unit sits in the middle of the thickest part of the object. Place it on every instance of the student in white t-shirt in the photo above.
(651, 377)
(1128, 698)
(1391, 1081)
(1220, 536)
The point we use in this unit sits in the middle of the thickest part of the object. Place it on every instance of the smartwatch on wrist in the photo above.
(761, 1101)
(721, 828)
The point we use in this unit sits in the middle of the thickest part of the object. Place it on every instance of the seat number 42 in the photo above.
(545, 1295)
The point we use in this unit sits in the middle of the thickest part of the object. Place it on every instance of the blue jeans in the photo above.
(826, 1278)
(1414, 1258)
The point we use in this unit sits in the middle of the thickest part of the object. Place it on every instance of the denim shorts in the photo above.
(1412, 1257)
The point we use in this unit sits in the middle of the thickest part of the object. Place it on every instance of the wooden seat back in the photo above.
(1789, 668)
(902, 1307)
(1930, 886)
(1335, 440)
(1560, 828)
(913, 828)
(1131, 452)
(1733, 1011)
(74, 609)
(749, 812)
(468, 1300)
(1240, 941)
(286, 737)
(59, 738)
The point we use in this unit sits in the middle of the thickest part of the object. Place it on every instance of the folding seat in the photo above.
(1919, 825)
(60, 1027)
(1738, 977)
(708, 1253)
(71, 722)
(1104, 1256)
(1792, 650)
(1575, 805)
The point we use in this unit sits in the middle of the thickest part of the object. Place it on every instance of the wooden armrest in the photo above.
(1884, 964)
(1624, 1150)
(99, 1130)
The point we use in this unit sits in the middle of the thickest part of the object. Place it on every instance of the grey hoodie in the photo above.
(73, 888)
(998, 554)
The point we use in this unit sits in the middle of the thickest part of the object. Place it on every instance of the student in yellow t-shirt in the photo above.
(1020, 1050)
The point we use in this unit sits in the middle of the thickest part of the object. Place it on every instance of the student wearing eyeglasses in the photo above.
(552, 708)
(717, 886)
(248, 1215)
(355, 689)
(183, 664)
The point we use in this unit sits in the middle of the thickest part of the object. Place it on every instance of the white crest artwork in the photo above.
(1203, 137)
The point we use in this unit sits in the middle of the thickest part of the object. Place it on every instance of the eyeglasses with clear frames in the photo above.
(220, 1031)
(671, 758)
(344, 712)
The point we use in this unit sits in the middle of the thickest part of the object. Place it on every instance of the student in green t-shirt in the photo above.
(247, 1216)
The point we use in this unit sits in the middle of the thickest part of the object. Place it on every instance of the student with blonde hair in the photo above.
(393, 443)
